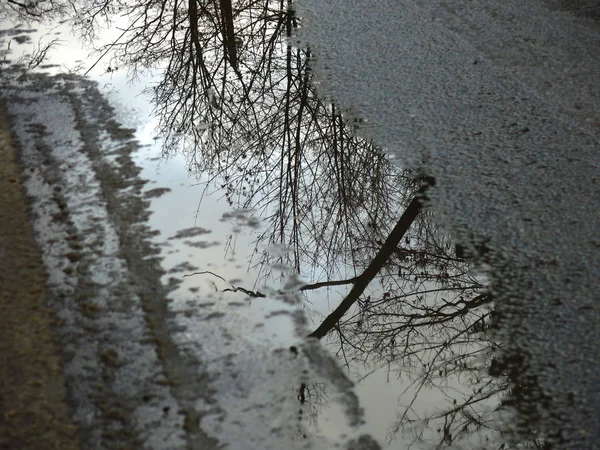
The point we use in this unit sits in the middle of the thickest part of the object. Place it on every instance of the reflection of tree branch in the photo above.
(110, 46)
(377, 263)
(198, 61)
(39, 54)
(259, 294)
(229, 33)
(203, 273)
(27, 7)
(438, 316)
(37, 11)
(313, 286)
(248, 292)
(359, 282)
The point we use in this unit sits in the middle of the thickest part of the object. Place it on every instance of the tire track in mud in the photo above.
(33, 401)
(129, 385)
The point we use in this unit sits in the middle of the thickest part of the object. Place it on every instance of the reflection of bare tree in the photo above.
(23, 15)
(236, 96)
(425, 323)
(32, 10)
(239, 99)
(39, 54)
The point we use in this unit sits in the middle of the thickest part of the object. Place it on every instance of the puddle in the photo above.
(214, 339)
(263, 210)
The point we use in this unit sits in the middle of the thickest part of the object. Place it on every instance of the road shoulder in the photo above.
(34, 412)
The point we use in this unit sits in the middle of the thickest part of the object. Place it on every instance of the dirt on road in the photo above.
(34, 413)
(93, 279)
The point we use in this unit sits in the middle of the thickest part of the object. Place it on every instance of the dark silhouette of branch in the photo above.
(27, 7)
(313, 286)
(229, 33)
(258, 294)
(388, 248)
(203, 273)
(33, 11)
(248, 292)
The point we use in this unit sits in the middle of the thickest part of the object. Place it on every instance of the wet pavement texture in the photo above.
(103, 281)
(415, 186)
(500, 102)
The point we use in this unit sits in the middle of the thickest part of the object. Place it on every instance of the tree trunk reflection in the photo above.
(240, 101)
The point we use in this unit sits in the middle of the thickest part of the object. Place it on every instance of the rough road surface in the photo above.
(33, 399)
(500, 101)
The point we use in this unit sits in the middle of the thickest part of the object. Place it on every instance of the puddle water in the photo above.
(274, 213)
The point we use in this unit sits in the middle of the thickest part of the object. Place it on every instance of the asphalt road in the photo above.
(500, 101)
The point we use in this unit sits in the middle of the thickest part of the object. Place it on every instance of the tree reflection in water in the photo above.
(238, 98)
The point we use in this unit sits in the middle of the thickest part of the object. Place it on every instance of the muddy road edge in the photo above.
(128, 384)
(34, 412)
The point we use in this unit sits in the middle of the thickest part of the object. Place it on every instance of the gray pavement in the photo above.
(500, 101)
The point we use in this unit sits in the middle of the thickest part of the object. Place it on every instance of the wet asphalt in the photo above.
(500, 102)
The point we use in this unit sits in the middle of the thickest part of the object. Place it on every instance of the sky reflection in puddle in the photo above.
(435, 371)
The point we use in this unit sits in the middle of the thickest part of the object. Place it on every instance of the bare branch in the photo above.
(377, 263)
